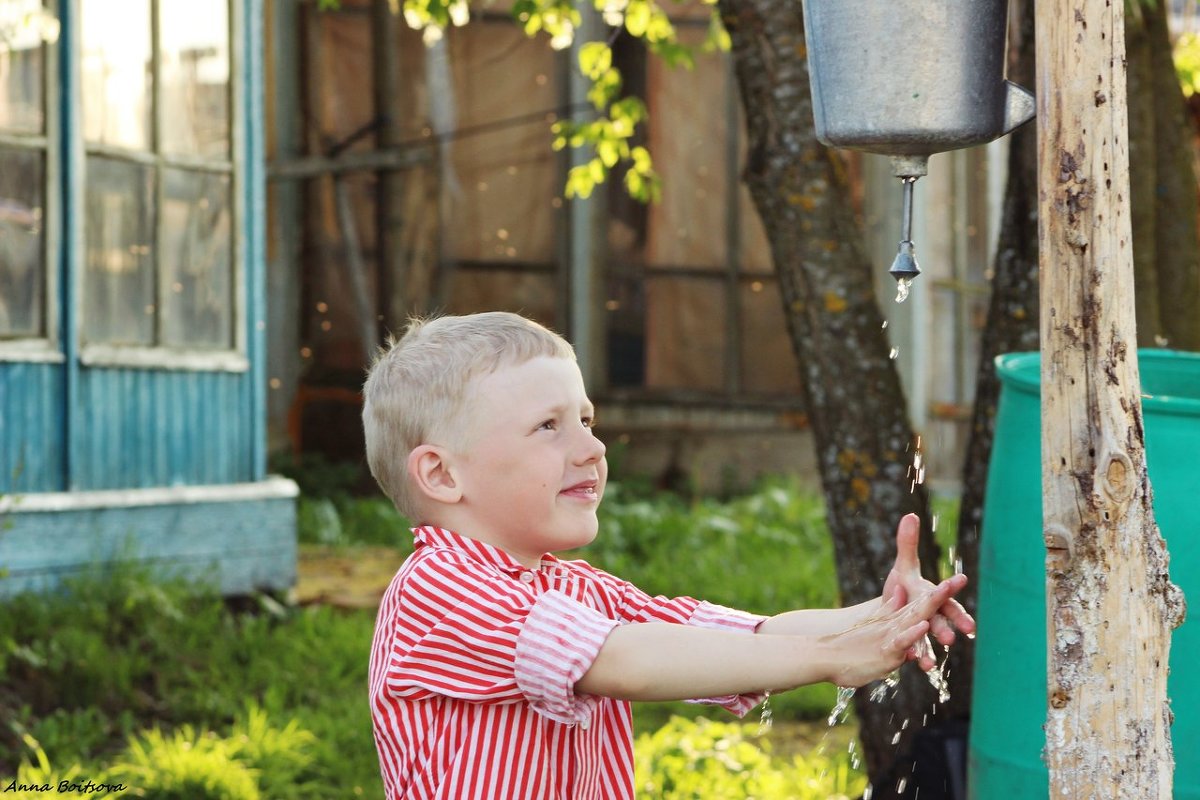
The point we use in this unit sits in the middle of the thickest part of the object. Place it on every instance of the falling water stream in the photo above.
(887, 688)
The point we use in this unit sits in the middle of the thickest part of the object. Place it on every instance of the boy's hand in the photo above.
(905, 580)
(889, 637)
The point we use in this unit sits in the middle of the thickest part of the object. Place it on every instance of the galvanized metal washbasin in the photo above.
(911, 77)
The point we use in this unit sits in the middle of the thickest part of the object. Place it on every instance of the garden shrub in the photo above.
(705, 760)
(37, 778)
(185, 766)
(280, 756)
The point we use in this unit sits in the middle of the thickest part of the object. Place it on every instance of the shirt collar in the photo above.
(480, 551)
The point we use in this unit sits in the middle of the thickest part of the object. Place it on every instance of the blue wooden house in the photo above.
(132, 307)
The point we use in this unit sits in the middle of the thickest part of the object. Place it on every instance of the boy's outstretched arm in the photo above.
(661, 661)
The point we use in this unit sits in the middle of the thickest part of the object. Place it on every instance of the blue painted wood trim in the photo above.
(239, 538)
(254, 116)
(70, 185)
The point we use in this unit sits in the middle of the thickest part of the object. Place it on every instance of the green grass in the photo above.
(114, 655)
(117, 662)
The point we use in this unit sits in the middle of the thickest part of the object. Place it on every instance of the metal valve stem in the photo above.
(905, 266)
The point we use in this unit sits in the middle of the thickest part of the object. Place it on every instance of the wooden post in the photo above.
(1110, 604)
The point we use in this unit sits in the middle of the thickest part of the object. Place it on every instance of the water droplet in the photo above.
(767, 719)
(902, 287)
(868, 792)
(895, 352)
(885, 324)
(842, 706)
(900, 784)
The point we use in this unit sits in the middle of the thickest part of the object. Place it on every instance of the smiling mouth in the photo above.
(583, 490)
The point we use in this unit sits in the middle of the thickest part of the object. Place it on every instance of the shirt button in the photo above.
(584, 724)
(526, 577)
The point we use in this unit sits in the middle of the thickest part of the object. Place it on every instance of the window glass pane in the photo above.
(685, 333)
(194, 67)
(22, 26)
(503, 177)
(689, 141)
(529, 293)
(22, 255)
(196, 259)
(116, 67)
(118, 293)
(768, 362)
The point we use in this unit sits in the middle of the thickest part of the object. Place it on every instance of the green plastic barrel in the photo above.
(1008, 707)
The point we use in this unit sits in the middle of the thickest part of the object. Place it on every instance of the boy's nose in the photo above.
(593, 449)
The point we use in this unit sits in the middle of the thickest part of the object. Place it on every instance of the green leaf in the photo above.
(580, 182)
(716, 38)
(637, 18)
(595, 59)
(598, 170)
(609, 153)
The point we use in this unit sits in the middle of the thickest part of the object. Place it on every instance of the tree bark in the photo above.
(1011, 326)
(1110, 603)
(852, 391)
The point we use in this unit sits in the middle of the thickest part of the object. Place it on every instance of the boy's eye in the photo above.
(588, 422)
(548, 425)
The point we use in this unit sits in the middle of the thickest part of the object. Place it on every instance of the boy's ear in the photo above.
(431, 471)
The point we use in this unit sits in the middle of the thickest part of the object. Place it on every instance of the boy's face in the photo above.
(532, 473)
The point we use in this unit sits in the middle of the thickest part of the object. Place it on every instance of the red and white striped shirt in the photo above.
(473, 669)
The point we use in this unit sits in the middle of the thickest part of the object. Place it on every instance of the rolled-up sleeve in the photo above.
(558, 643)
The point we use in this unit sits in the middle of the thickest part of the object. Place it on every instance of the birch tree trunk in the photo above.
(1110, 603)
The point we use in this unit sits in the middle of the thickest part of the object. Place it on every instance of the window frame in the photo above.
(47, 347)
(731, 275)
(158, 356)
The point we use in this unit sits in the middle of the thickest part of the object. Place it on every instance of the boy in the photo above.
(499, 671)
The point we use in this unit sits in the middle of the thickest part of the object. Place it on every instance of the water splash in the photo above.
(842, 707)
(902, 287)
(890, 682)
(939, 676)
(767, 719)
(895, 351)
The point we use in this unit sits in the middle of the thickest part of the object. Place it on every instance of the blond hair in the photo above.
(417, 386)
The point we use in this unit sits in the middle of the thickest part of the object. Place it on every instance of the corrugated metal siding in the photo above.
(141, 428)
(31, 427)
